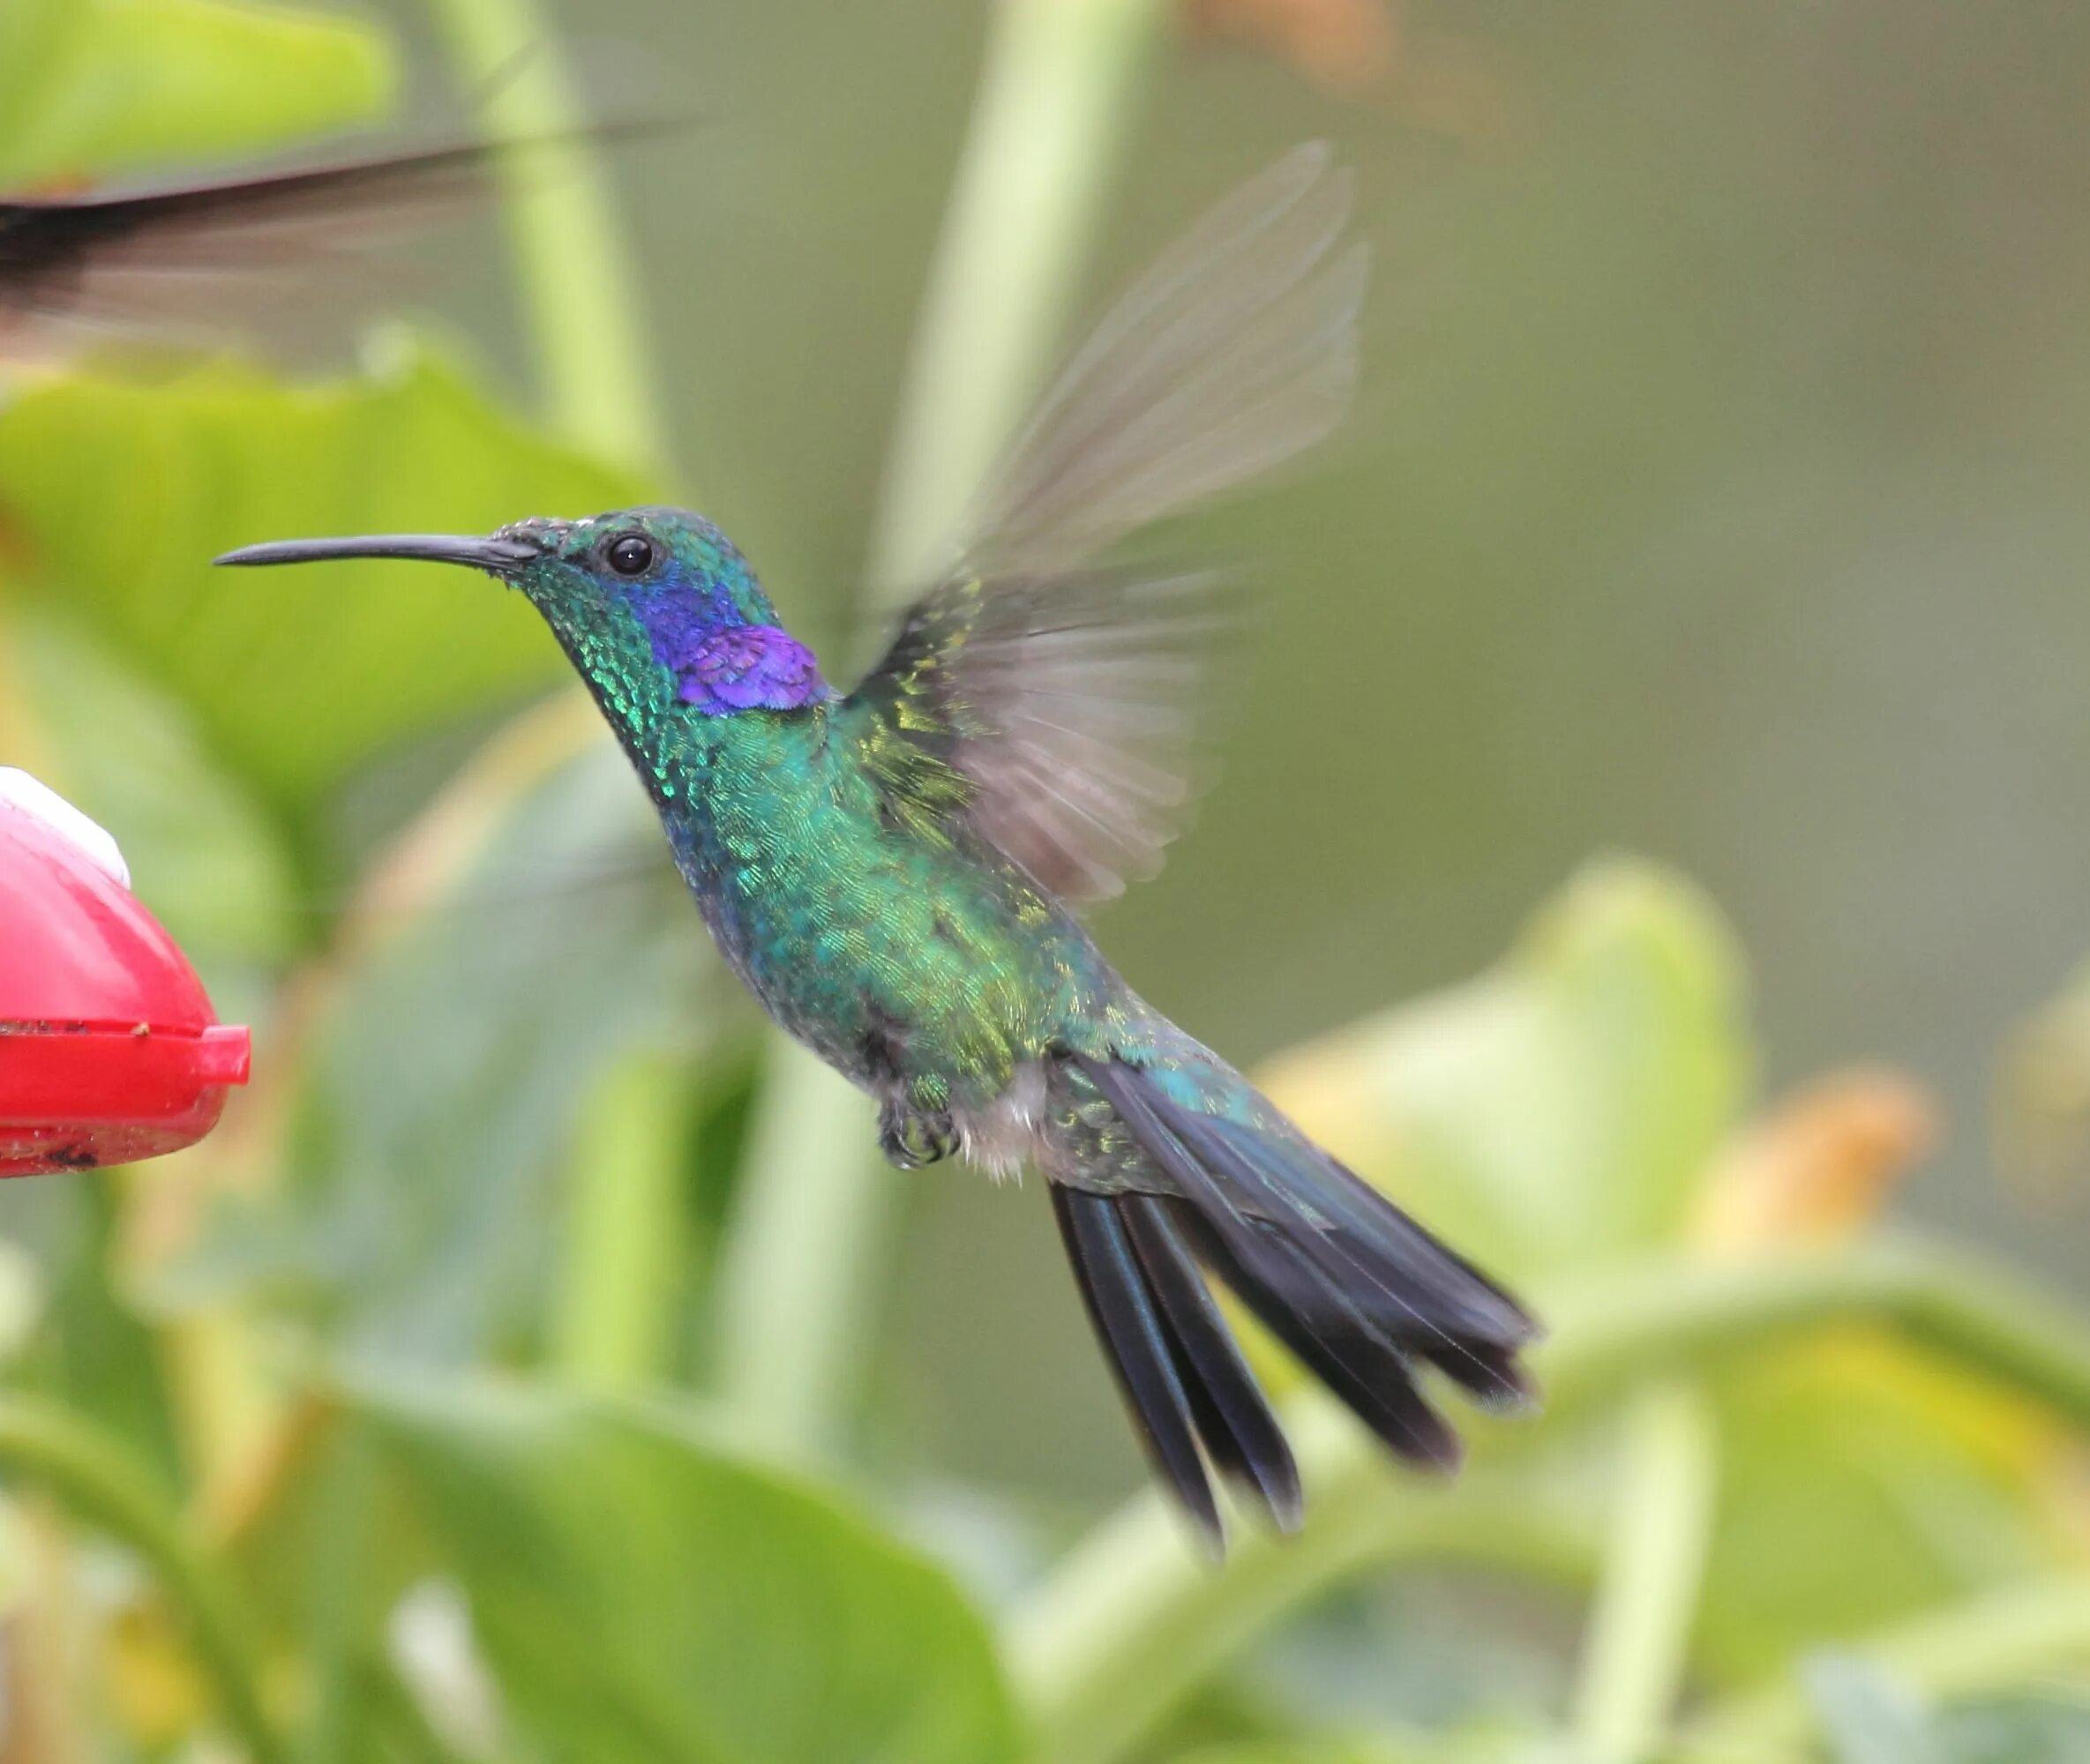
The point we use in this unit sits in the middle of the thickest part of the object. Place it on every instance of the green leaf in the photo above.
(1863, 1484)
(201, 854)
(90, 1352)
(115, 496)
(2020, 1730)
(640, 1595)
(1563, 1110)
(2041, 1095)
(1868, 1716)
(1310, 1753)
(1488, 1744)
(90, 87)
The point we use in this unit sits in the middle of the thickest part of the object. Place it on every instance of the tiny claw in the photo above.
(910, 1140)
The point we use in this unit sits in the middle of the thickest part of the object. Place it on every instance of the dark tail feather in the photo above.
(1234, 1422)
(1181, 1375)
(1137, 1337)
(1358, 1290)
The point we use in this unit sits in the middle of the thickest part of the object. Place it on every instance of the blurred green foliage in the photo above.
(385, 1425)
(1620, 1024)
(727, 1612)
(280, 680)
(90, 87)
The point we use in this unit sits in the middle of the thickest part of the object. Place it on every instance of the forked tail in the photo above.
(1354, 1287)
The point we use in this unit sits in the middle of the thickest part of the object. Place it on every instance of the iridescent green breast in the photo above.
(891, 941)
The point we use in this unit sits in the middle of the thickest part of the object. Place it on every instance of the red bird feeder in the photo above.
(109, 1051)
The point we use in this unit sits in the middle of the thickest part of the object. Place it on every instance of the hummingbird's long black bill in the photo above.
(494, 554)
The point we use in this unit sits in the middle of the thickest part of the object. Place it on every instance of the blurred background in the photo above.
(1640, 839)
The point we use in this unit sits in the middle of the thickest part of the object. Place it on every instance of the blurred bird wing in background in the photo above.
(1059, 689)
(205, 258)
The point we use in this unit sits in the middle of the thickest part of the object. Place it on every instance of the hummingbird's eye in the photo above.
(630, 554)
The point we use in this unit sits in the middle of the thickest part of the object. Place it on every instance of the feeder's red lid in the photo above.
(109, 1051)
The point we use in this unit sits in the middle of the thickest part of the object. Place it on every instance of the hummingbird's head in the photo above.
(655, 606)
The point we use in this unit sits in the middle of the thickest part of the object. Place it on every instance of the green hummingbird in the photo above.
(895, 871)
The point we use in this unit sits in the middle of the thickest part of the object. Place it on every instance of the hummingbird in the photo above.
(896, 872)
(197, 256)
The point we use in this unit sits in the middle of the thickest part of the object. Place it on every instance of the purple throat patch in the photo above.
(747, 667)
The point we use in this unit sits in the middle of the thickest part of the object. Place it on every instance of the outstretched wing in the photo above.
(1055, 693)
(200, 256)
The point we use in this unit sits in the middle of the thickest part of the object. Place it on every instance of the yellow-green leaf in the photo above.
(1564, 1109)
(93, 86)
(115, 496)
(200, 854)
(640, 1595)
(1865, 1482)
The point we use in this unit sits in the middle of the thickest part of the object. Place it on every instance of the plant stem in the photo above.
(1048, 125)
(2000, 1640)
(573, 268)
(96, 1477)
(798, 1267)
(1180, 1618)
(1639, 1633)
(795, 1272)
(616, 1322)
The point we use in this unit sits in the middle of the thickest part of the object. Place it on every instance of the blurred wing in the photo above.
(1236, 350)
(1057, 693)
(203, 257)
(1054, 712)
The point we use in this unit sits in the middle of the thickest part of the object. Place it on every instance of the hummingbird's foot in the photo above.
(910, 1140)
